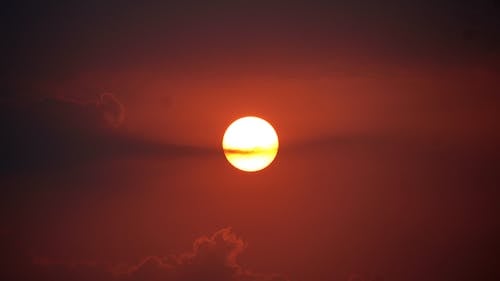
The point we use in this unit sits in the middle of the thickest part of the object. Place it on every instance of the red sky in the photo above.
(113, 114)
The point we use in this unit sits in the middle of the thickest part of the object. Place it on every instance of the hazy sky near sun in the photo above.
(112, 116)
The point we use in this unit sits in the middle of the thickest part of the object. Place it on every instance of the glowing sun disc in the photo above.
(250, 144)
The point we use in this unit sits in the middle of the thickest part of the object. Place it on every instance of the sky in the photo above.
(112, 116)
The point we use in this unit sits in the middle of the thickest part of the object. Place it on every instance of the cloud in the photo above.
(62, 132)
(211, 258)
(111, 109)
(57, 131)
(105, 111)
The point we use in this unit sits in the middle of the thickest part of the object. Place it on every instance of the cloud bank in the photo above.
(212, 257)
(61, 132)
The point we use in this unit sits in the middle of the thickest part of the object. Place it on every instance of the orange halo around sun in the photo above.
(250, 144)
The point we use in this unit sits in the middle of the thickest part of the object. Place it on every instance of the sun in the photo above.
(250, 144)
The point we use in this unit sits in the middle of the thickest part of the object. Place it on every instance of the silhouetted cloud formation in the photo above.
(211, 258)
(57, 131)
(60, 132)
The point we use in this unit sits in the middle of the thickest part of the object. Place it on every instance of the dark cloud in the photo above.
(56, 131)
(61, 132)
(111, 109)
(211, 258)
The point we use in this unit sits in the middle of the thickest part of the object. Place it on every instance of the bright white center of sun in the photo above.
(250, 144)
